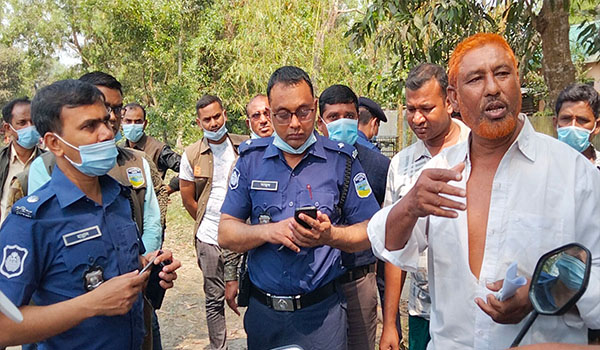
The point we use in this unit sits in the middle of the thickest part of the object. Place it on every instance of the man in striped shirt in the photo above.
(428, 113)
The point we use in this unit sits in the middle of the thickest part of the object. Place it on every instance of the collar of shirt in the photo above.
(362, 134)
(315, 149)
(14, 158)
(67, 193)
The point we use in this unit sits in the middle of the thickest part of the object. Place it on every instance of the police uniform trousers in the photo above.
(210, 261)
(361, 296)
(317, 327)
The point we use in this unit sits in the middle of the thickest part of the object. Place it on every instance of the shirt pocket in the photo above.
(530, 235)
(269, 202)
(80, 256)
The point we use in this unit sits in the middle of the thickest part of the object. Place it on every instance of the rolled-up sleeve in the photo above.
(406, 258)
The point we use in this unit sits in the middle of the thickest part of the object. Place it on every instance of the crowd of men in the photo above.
(304, 221)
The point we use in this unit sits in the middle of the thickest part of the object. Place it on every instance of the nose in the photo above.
(491, 85)
(294, 121)
(418, 118)
(105, 132)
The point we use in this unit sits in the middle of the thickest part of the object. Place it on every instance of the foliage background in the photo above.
(168, 53)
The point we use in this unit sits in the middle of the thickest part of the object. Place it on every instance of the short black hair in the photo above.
(206, 100)
(252, 99)
(576, 93)
(50, 100)
(424, 72)
(8, 108)
(337, 94)
(289, 75)
(133, 105)
(364, 116)
(102, 79)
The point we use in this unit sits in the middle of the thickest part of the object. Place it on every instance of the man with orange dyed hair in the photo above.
(508, 194)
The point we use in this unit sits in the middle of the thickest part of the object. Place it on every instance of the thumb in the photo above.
(495, 286)
(459, 167)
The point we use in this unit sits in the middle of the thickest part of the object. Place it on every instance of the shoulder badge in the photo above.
(13, 261)
(363, 189)
(340, 145)
(234, 179)
(135, 176)
(248, 142)
(354, 153)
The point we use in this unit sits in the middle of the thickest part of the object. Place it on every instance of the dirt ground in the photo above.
(182, 317)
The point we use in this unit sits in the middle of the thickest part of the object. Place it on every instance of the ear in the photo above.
(597, 128)
(225, 115)
(53, 144)
(247, 123)
(452, 96)
(449, 108)
(145, 123)
(198, 122)
(555, 122)
(5, 127)
(321, 127)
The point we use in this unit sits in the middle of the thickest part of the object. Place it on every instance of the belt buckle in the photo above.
(282, 303)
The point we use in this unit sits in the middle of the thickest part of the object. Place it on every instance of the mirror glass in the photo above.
(561, 276)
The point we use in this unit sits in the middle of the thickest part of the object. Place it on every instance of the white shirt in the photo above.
(15, 166)
(544, 195)
(403, 171)
(223, 159)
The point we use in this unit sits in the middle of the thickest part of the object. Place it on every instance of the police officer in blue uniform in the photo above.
(295, 298)
(72, 246)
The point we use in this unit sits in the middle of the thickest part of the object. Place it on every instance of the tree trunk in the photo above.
(320, 41)
(553, 25)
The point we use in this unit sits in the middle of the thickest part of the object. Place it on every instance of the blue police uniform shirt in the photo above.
(49, 241)
(376, 167)
(263, 183)
(363, 140)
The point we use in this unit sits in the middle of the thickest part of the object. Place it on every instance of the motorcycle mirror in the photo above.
(560, 278)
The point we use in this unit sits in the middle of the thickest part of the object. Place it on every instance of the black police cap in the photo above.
(373, 107)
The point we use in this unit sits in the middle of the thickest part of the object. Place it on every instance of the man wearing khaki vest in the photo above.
(205, 168)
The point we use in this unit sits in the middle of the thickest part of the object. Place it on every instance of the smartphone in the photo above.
(309, 211)
(154, 292)
(149, 265)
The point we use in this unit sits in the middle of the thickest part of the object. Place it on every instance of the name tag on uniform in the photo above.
(82, 235)
(264, 185)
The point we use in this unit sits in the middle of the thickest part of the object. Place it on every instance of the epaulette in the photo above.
(29, 206)
(341, 147)
(254, 144)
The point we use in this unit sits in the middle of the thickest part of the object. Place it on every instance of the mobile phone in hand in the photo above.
(309, 211)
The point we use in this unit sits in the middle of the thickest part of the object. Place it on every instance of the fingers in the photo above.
(495, 286)
(488, 309)
(459, 168)
(288, 243)
(444, 175)
(174, 265)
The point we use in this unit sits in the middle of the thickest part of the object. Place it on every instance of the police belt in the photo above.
(356, 273)
(293, 302)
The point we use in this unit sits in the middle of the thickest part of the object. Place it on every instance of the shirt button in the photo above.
(291, 204)
(285, 273)
(317, 204)
(91, 259)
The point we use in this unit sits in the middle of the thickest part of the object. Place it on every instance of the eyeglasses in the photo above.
(258, 114)
(117, 110)
(285, 117)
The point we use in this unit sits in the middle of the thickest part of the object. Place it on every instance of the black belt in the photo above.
(293, 302)
(356, 273)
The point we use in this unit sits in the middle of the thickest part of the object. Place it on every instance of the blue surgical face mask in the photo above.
(285, 147)
(571, 271)
(215, 135)
(28, 137)
(343, 129)
(253, 135)
(96, 159)
(133, 132)
(574, 136)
